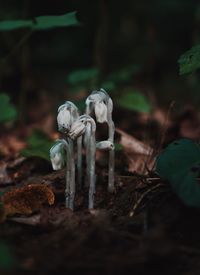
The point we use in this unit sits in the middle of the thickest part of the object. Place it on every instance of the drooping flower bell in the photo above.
(57, 154)
(105, 145)
(101, 111)
(97, 101)
(67, 114)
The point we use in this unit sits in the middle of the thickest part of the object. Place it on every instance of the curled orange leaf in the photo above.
(27, 199)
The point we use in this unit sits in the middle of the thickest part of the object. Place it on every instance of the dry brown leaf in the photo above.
(133, 145)
(138, 153)
(27, 199)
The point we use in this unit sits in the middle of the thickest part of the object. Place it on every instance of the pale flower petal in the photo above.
(57, 162)
(105, 145)
(101, 112)
(64, 120)
(57, 155)
(77, 129)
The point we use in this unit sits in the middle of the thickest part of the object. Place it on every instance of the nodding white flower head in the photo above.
(101, 111)
(57, 155)
(67, 114)
(77, 129)
(96, 96)
(98, 100)
(105, 145)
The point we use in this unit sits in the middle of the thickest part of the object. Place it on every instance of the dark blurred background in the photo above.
(122, 46)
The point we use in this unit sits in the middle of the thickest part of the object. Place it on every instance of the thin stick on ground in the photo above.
(132, 213)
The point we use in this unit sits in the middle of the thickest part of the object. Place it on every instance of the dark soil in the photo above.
(142, 228)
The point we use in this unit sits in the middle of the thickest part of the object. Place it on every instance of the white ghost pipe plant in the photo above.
(61, 154)
(80, 126)
(58, 154)
(67, 115)
(102, 104)
(74, 126)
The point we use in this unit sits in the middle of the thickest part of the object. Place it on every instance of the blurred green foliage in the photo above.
(41, 22)
(7, 109)
(124, 75)
(118, 45)
(38, 145)
(189, 62)
(179, 163)
(91, 79)
(82, 77)
(135, 101)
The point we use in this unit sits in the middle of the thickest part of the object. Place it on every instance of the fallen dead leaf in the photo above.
(139, 154)
(131, 144)
(27, 199)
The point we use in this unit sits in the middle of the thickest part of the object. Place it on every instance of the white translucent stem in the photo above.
(88, 160)
(79, 160)
(87, 143)
(92, 177)
(88, 110)
(72, 176)
(68, 175)
(90, 152)
(111, 132)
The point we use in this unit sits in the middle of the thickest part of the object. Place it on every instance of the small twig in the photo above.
(142, 197)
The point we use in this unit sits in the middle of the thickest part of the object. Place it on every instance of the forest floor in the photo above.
(141, 228)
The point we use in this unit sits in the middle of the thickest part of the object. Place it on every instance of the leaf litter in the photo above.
(142, 224)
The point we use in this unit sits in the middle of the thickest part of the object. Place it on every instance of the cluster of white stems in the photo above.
(75, 127)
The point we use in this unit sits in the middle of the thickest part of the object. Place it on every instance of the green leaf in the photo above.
(179, 163)
(189, 62)
(38, 145)
(41, 22)
(53, 21)
(7, 109)
(9, 25)
(124, 75)
(135, 101)
(82, 76)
